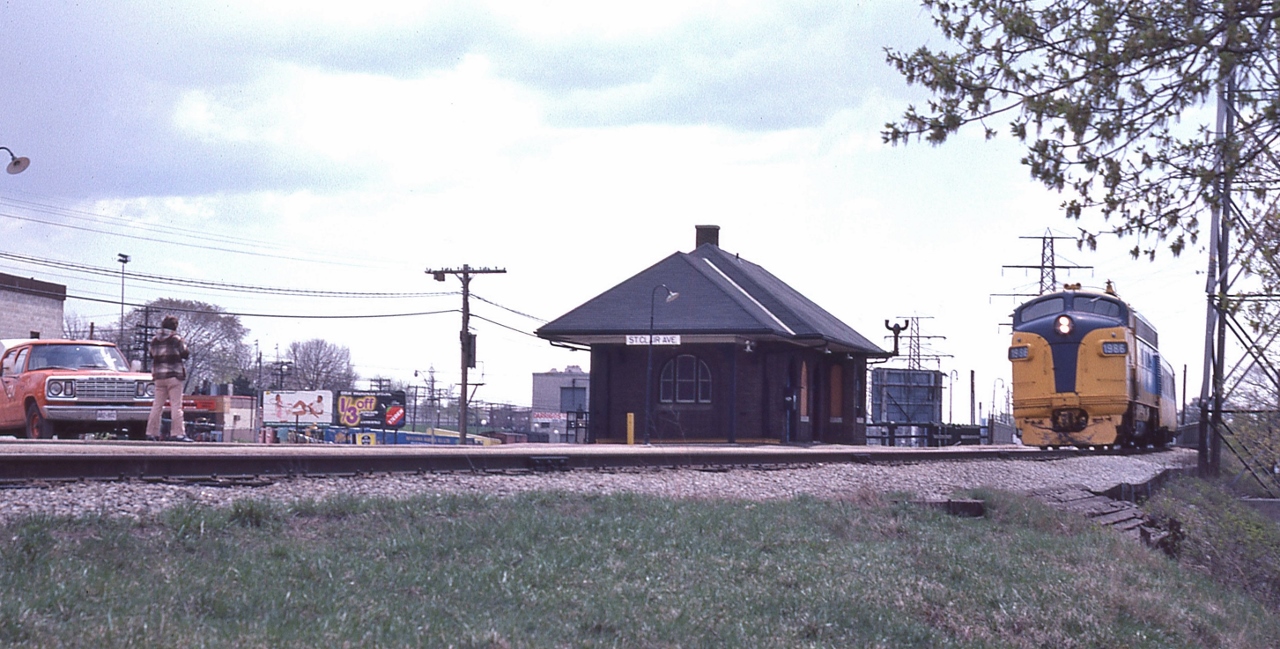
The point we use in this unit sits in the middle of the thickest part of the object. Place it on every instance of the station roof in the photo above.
(722, 298)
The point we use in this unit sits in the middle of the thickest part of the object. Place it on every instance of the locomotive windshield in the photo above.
(1102, 305)
(1042, 308)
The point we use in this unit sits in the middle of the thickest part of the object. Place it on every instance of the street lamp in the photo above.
(17, 164)
(648, 375)
(951, 402)
(123, 259)
(999, 380)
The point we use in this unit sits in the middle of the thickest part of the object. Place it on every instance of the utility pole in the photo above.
(467, 339)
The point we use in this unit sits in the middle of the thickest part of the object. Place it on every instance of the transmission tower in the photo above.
(1048, 265)
(1241, 321)
(916, 343)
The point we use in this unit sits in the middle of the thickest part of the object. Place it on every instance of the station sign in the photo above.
(656, 339)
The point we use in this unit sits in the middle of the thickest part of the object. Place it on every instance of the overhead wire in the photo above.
(506, 308)
(222, 286)
(244, 314)
(122, 227)
(94, 217)
(98, 224)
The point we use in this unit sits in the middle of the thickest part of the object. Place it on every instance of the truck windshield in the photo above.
(75, 357)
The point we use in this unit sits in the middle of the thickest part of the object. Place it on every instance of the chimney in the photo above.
(707, 234)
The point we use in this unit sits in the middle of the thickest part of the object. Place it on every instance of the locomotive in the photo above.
(1087, 372)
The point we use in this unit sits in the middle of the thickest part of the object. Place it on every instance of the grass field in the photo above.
(554, 570)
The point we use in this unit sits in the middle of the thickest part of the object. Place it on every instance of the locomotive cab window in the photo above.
(1102, 306)
(1037, 310)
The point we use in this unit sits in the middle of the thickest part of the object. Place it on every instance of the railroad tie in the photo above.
(1120, 515)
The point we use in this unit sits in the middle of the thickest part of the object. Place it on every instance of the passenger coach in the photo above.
(1087, 372)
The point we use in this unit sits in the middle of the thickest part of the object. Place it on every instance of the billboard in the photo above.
(368, 409)
(297, 406)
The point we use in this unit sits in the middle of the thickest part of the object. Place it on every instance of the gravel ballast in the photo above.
(928, 480)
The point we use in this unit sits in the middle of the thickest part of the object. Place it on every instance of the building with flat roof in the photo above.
(560, 399)
(30, 308)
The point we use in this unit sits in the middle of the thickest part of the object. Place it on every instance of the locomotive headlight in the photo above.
(1064, 325)
(1115, 349)
(1019, 353)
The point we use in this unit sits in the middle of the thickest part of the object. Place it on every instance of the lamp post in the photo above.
(123, 259)
(17, 164)
(951, 398)
(648, 375)
(992, 414)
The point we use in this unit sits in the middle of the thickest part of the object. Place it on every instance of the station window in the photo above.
(685, 379)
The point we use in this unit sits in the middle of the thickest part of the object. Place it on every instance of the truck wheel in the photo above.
(37, 426)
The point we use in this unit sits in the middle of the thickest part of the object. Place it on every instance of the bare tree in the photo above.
(76, 327)
(320, 365)
(216, 338)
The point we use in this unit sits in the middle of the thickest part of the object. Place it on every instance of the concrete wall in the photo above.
(30, 308)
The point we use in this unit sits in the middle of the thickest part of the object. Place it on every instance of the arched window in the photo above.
(685, 379)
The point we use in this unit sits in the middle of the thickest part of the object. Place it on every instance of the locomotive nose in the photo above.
(1070, 420)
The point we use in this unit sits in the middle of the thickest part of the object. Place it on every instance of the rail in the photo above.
(77, 460)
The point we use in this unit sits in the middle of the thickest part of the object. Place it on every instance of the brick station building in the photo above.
(737, 356)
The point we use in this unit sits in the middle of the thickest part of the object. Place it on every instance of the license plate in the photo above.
(106, 415)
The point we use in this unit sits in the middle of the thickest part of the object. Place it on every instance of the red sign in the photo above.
(395, 415)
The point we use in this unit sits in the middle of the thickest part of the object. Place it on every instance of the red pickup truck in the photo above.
(67, 388)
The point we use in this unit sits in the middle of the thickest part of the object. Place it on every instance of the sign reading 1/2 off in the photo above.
(658, 339)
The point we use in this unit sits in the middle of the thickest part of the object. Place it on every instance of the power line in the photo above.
(122, 227)
(262, 315)
(506, 308)
(495, 322)
(93, 217)
(221, 286)
(118, 232)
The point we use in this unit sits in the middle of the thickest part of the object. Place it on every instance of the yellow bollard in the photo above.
(631, 428)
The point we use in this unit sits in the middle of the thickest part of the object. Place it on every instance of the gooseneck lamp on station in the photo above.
(648, 375)
(17, 164)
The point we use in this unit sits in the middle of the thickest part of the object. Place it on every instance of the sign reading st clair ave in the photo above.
(658, 339)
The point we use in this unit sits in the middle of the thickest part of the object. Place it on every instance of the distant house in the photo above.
(737, 356)
(30, 308)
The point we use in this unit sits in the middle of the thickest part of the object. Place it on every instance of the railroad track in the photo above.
(24, 460)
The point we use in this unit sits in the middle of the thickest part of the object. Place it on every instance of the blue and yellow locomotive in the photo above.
(1087, 372)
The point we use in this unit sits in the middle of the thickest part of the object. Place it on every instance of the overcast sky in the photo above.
(349, 146)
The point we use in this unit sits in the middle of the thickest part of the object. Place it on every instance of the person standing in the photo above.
(168, 351)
